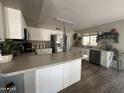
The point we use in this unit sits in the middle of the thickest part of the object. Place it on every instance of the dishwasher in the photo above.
(95, 57)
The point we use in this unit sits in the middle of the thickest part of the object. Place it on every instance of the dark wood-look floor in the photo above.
(96, 79)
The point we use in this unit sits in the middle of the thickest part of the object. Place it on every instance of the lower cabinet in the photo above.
(54, 78)
(72, 72)
(106, 58)
(1, 23)
(30, 82)
(49, 80)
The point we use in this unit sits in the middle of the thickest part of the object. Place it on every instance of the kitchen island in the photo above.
(45, 73)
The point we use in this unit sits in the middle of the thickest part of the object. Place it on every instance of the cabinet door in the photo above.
(29, 82)
(34, 34)
(45, 34)
(13, 23)
(106, 58)
(49, 80)
(72, 72)
(1, 23)
(23, 25)
(39, 34)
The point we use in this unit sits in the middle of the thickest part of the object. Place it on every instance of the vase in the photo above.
(6, 58)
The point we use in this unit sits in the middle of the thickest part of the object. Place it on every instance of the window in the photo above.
(86, 40)
(89, 40)
(93, 40)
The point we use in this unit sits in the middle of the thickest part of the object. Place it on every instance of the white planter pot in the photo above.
(6, 58)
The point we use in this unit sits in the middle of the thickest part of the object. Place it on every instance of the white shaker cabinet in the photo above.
(1, 23)
(72, 72)
(106, 58)
(34, 34)
(49, 80)
(39, 34)
(30, 82)
(45, 35)
(54, 78)
(14, 24)
(23, 22)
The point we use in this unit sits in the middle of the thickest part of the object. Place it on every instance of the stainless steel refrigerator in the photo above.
(59, 43)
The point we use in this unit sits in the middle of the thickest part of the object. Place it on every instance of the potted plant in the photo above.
(75, 36)
(7, 48)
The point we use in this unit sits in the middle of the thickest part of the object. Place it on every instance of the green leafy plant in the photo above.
(75, 36)
(8, 47)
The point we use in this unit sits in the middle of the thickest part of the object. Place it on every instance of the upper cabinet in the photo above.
(41, 34)
(1, 23)
(15, 24)
(34, 34)
(38, 34)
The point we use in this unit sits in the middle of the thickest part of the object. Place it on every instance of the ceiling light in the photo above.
(65, 21)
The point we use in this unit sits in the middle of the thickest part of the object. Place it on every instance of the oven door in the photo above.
(95, 57)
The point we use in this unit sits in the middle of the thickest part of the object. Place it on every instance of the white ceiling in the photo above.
(83, 13)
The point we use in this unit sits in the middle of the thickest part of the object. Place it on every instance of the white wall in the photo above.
(119, 25)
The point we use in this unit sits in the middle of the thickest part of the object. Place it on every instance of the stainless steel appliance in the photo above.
(95, 57)
(57, 43)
